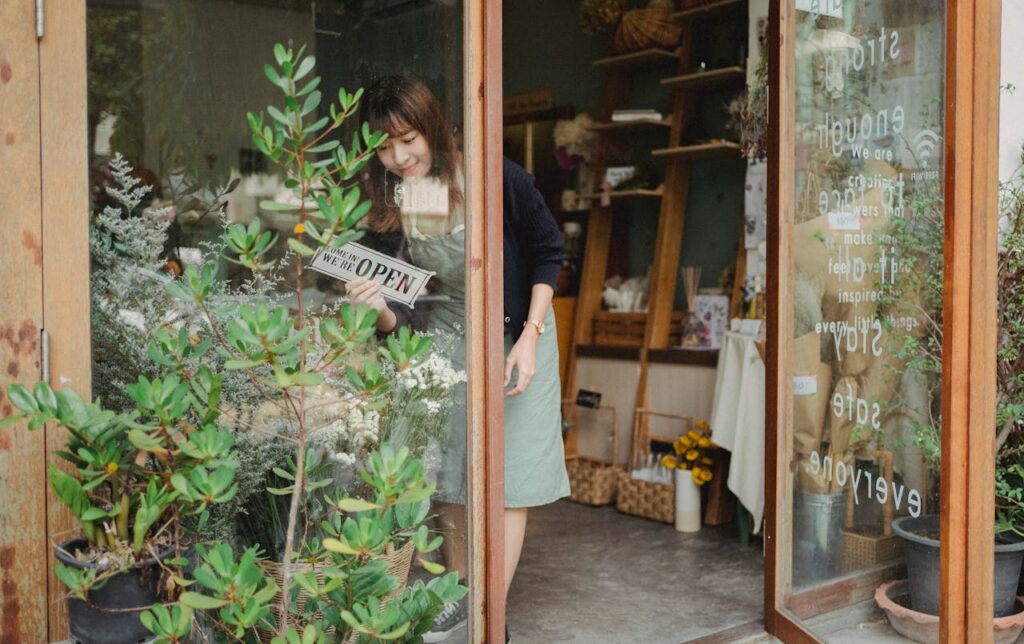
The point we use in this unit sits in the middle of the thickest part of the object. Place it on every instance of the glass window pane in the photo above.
(278, 211)
(867, 298)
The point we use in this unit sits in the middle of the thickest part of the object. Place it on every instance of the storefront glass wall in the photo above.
(867, 294)
(169, 86)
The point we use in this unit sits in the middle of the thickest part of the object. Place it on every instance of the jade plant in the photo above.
(146, 476)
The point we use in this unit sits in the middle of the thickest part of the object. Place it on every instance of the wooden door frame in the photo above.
(971, 179)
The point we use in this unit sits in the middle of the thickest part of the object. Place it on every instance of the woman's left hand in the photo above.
(523, 357)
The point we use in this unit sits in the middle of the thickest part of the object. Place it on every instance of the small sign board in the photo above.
(588, 399)
(530, 102)
(400, 281)
(833, 8)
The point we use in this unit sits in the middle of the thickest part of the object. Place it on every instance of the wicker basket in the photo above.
(867, 546)
(593, 482)
(864, 547)
(655, 501)
(626, 328)
(646, 28)
(399, 564)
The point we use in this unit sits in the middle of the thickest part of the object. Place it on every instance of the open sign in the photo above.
(400, 281)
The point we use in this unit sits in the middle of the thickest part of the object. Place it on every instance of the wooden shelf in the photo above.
(697, 80)
(621, 126)
(707, 10)
(625, 194)
(718, 149)
(638, 59)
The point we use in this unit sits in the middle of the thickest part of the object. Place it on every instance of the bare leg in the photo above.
(515, 532)
(451, 519)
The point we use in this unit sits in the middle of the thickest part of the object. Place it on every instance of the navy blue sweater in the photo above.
(533, 250)
(533, 245)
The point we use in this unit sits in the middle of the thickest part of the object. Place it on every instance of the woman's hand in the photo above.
(364, 291)
(523, 357)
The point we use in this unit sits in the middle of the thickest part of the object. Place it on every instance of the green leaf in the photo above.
(335, 545)
(22, 399)
(431, 567)
(356, 505)
(277, 206)
(300, 248)
(200, 601)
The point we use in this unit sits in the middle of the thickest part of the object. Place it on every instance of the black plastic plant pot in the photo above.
(111, 616)
(921, 552)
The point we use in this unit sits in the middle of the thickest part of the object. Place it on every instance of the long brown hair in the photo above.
(396, 104)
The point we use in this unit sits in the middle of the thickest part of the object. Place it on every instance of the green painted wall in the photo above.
(544, 48)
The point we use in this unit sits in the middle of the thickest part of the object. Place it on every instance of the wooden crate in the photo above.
(618, 329)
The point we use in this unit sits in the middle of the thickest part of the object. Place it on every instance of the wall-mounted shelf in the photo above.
(623, 126)
(708, 10)
(625, 194)
(639, 59)
(718, 149)
(697, 80)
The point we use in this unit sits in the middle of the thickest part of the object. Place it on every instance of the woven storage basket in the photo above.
(593, 482)
(646, 28)
(655, 501)
(399, 563)
(866, 546)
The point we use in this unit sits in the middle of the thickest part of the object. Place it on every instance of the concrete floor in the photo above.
(595, 575)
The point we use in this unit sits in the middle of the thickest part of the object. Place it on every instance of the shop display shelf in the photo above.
(708, 10)
(711, 77)
(638, 59)
(625, 194)
(623, 126)
(715, 149)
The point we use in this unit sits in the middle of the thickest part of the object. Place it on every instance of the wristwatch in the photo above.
(537, 325)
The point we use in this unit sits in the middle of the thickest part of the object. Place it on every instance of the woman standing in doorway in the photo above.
(421, 155)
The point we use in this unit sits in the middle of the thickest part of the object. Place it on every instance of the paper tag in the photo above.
(400, 281)
(805, 385)
(832, 8)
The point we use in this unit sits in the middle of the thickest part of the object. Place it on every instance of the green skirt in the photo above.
(534, 455)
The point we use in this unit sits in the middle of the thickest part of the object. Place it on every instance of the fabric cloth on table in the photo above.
(737, 419)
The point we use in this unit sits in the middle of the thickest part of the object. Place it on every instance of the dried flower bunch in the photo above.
(693, 453)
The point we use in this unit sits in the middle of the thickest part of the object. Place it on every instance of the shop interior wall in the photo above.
(545, 48)
(1011, 109)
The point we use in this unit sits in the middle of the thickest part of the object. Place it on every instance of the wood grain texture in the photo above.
(984, 325)
(66, 307)
(779, 330)
(24, 555)
(485, 308)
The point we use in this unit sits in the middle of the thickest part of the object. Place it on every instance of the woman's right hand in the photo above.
(363, 291)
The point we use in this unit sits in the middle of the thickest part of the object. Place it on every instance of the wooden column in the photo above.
(969, 320)
(65, 208)
(24, 556)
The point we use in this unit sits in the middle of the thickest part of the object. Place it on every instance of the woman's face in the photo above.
(407, 154)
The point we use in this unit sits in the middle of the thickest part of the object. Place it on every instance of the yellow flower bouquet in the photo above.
(693, 453)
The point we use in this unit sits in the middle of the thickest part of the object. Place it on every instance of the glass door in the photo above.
(185, 181)
(860, 374)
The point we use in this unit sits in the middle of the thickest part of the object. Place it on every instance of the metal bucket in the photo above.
(817, 536)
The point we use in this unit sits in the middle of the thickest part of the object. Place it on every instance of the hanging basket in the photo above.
(399, 564)
(652, 27)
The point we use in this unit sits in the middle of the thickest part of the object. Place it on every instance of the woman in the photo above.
(420, 158)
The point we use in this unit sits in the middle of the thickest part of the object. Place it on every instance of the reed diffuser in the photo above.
(693, 328)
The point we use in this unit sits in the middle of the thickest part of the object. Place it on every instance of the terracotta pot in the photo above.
(893, 598)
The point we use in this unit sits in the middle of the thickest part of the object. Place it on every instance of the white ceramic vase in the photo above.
(687, 502)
